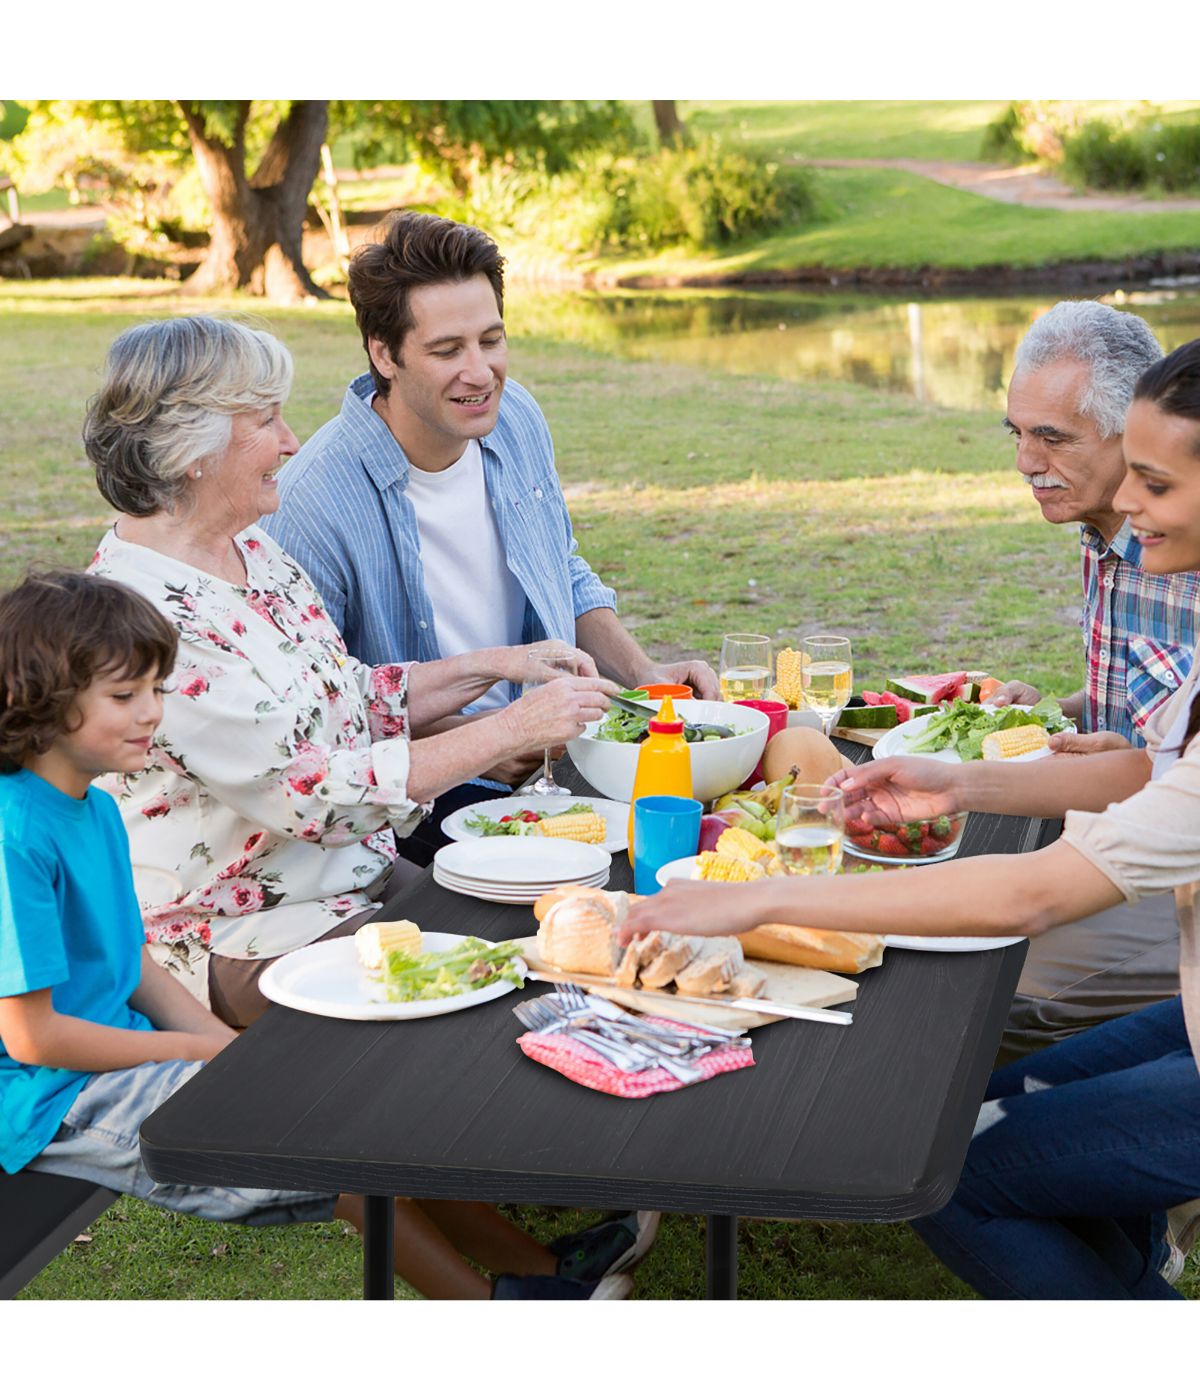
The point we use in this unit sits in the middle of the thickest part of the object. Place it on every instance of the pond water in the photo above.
(955, 352)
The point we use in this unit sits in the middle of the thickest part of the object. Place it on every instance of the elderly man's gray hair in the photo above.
(1116, 346)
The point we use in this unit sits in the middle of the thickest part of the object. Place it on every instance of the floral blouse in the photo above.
(272, 792)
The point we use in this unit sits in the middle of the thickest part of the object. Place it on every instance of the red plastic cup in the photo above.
(776, 712)
(661, 692)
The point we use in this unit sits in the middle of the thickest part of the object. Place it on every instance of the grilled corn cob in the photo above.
(718, 867)
(788, 683)
(589, 827)
(744, 845)
(1009, 743)
(373, 941)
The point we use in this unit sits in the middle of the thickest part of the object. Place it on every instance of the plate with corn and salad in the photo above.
(394, 972)
(961, 731)
(595, 821)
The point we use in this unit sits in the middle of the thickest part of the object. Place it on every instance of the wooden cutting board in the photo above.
(797, 986)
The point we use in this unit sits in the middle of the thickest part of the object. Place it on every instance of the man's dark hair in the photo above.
(416, 250)
(59, 630)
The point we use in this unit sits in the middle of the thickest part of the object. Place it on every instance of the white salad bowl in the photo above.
(718, 765)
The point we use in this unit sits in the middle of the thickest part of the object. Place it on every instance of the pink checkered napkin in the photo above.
(585, 1066)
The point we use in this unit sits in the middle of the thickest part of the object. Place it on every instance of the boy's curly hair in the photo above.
(59, 630)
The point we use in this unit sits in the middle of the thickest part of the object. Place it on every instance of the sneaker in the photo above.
(547, 1288)
(611, 1247)
(1176, 1259)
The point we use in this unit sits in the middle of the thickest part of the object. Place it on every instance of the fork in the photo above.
(610, 1043)
(575, 999)
(541, 1019)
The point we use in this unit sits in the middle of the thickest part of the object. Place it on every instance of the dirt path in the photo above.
(1024, 184)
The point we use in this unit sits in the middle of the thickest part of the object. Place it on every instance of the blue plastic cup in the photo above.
(664, 829)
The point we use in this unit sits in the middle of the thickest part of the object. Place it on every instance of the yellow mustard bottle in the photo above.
(664, 766)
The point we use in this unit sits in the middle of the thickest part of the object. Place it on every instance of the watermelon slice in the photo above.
(932, 690)
(905, 709)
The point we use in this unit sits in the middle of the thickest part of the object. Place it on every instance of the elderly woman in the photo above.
(267, 815)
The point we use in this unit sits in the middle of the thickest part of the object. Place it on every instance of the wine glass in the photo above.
(745, 672)
(809, 829)
(566, 662)
(826, 676)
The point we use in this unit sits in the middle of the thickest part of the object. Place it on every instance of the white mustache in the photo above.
(1043, 480)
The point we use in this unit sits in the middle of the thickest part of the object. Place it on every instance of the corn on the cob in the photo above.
(744, 845)
(1009, 743)
(712, 866)
(788, 682)
(589, 827)
(373, 941)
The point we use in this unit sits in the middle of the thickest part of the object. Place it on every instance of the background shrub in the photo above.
(1104, 157)
(699, 196)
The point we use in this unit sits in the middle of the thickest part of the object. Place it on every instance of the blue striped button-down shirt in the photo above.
(346, 518)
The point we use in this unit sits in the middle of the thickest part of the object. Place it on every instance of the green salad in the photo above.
(522, 822)
(466, 968)
(965, 726)
(620, 727)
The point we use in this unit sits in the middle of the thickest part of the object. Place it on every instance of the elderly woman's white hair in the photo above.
(167, 402)
(1116, 346)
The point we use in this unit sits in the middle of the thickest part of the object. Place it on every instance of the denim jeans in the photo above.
(1078, 1152)
(98, 1141)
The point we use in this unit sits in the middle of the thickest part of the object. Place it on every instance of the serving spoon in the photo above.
(691, 732)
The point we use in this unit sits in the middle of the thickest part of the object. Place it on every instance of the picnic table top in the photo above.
(868, 1122)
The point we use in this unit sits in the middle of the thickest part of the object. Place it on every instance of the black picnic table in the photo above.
(867, 1122)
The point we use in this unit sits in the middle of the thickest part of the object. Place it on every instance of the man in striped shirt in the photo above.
(1071, 386)
(429, 513)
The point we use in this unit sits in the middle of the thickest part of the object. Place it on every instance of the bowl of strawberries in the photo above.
(908, 843)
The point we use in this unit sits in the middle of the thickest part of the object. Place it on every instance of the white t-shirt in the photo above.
(476, 600)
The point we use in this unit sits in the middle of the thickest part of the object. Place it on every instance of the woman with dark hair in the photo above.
(1081, 1148)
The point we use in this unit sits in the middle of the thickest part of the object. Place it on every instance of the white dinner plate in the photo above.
(947, 945)
(894, 742)
(615, 814)
(498, 894)
(327, 979)
(522, 861)
(683, 869)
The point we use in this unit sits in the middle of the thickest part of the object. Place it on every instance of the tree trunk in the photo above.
(257, 224)
(666, 119)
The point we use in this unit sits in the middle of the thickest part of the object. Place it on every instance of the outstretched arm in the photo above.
(983, 896)
(601, 633)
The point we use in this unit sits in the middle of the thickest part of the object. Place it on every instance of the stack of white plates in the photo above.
(519, 869)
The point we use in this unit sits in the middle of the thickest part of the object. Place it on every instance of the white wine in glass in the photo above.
(567, 663)
(745, 671)
(826, 676)
(809, 830)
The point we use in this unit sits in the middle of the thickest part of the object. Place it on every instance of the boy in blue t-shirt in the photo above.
(94, 1035)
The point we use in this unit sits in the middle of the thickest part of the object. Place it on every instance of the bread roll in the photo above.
(813, 947)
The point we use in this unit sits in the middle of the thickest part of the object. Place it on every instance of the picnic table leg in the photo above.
(722, 1256)
(378, 1230)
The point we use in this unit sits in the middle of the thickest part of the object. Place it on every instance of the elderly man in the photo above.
(429, 513)
(1071, 386)
(1072, 383)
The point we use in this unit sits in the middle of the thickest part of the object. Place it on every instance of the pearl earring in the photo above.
(198, 475)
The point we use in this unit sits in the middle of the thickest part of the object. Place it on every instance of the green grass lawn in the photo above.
(713, 503)
(944, 131)
(887, 218)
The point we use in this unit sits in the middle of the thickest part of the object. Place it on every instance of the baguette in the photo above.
(813, 947)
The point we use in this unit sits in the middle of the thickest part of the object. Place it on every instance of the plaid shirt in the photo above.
(1139, 632)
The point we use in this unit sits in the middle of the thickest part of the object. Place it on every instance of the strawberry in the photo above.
(889, 845)
(930, 846)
